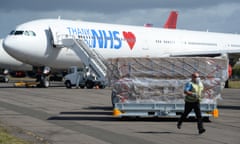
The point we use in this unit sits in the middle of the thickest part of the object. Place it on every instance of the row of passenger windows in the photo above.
(26, 33)
(201, 43)
(165, 41)
(191, 43)
(194, 43)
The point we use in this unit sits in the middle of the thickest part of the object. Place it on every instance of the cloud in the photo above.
(214, 15)
(218, 18)
(105, 5)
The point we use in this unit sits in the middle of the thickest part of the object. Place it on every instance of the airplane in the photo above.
(39, 42)
(15, 68)
(10, 65)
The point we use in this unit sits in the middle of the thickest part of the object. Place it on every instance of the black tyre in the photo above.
(46, 83)
(68, 84)
(89, 84)
(6, 80)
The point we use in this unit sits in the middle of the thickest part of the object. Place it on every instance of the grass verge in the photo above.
(234, 84)
(7, 138)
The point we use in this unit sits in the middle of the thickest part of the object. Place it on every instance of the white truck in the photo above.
(83, 77)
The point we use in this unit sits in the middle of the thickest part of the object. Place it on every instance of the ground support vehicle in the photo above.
(26, 84)
(83, 77)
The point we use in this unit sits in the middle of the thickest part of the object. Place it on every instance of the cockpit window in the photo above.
(31, 33)
(26, 33)
(12, 32)
(18, 33)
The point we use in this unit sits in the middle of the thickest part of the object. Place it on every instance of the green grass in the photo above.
(7, 138)
(234, 84)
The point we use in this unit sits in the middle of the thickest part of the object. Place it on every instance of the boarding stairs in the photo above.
(89, 57)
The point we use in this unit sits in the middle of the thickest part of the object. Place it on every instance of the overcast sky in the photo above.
(211, 15)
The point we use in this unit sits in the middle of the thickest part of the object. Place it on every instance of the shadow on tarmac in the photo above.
(98, 113)
(167, 132)
(231, 107)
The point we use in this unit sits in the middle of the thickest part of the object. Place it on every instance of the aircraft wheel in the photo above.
(46, 83)
(43, 81)
(6, 80)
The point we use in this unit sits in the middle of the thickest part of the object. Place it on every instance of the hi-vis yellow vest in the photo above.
(196, 88)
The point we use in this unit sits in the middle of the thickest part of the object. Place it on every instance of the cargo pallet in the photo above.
(160, 110)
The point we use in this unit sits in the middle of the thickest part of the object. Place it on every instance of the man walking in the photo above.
(193, 90)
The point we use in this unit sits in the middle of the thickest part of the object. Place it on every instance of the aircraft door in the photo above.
(53, 38)
(49, 37)
(51, 42)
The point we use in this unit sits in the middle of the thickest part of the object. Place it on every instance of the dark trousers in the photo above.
(188, 108)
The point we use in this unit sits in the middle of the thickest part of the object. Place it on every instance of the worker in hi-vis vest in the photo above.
(193, 91)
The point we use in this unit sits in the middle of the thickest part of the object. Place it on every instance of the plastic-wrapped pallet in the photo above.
(163, 79)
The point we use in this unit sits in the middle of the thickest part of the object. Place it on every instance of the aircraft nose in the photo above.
(10, 45)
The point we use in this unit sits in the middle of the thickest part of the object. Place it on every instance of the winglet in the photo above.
(171, 22)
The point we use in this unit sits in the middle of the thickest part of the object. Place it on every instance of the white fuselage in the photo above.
(32, 42)
(10, 63)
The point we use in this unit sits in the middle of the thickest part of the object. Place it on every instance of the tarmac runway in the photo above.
(57, 115)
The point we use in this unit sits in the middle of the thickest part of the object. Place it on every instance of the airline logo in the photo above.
(131, 39)
(104, 38)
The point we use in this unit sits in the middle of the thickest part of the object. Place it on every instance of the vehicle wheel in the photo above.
(89, 84)
(68, 84)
